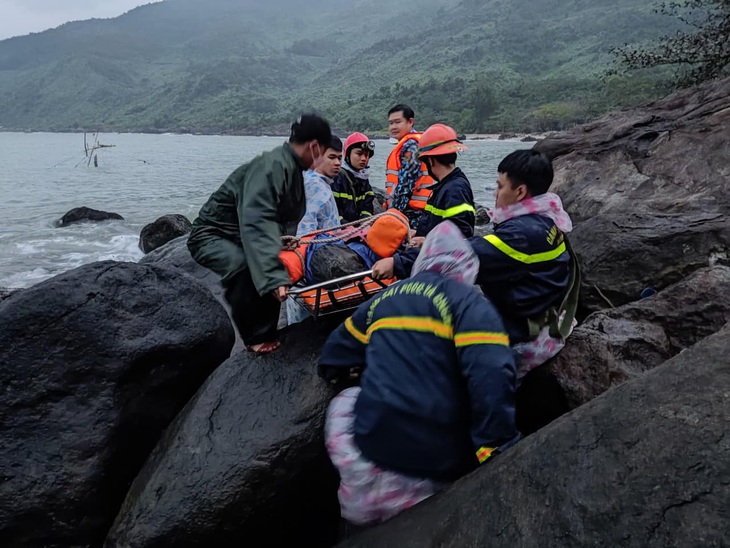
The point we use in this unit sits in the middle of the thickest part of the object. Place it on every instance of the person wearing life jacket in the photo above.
(238, 231)
(408, 184)
(351, 187)
(436, 397)
(451, 197)
(321, 210)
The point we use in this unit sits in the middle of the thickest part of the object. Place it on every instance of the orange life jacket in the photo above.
(422, 188)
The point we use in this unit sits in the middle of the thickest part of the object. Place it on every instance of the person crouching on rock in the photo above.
(351, 187)
(437, 389)
(238, 231)
(526, 267)
(451, 196)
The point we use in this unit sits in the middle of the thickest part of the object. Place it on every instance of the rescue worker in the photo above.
(408, 184)
(351, 188)
(237, 233)
(451, 196)
(526, 267)
(436, 397)
(321, 210)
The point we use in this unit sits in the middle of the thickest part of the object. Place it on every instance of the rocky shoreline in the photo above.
(132, 420)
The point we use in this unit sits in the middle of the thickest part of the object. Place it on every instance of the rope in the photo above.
(290, 243)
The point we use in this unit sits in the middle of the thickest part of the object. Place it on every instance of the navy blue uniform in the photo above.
(524, 269)
(439, 377)
(354, 197)
(452, 199)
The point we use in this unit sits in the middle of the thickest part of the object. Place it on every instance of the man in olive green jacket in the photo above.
(238, 231)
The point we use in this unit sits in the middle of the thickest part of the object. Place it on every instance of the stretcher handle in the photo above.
(295, 292)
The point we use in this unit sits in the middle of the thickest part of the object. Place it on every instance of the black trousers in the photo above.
(256, 317)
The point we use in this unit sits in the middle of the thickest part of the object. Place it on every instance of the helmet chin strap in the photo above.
(426, 160)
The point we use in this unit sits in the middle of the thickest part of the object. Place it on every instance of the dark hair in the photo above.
(530, 168)
(335, 144)
(407, 111)
(445, 159)
(310, 127)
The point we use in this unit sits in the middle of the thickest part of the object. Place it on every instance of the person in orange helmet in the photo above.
(451, 197)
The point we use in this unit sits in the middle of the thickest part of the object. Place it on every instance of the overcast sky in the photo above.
(23, 16)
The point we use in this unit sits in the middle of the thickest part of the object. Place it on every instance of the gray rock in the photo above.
(482, 215)
(655, 182)
(175, 254)
(85, 214)
(163, 230)
(5, 292)
(616, 345)
(244, 460)
(380, 199)
(644, 465)
(622, 254)
(94, 364)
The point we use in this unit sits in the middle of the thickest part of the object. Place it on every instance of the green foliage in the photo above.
(250, 66)
(700, 53)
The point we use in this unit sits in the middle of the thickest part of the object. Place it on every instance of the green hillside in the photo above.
(244, 65)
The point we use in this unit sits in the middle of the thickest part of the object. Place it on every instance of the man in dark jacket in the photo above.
(437, 391)
(238, 231)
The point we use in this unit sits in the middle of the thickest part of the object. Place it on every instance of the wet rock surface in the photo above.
(86, 214)
(607, 474)
(163, 230)
(619, 344)
(245, 461)
(94, 364)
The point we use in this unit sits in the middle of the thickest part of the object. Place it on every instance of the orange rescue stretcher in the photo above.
(338, 295)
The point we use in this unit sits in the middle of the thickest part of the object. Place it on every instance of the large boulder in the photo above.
(86, 214)
(244, 462)
(623, 254)
(616, 345)
(670, 156)
(94, 364)
(163, 230)
(175, 254)
(649, 190)
(5, 292)
(645, 465)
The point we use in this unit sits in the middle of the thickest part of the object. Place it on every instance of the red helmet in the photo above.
(439, 139)
(359, 139)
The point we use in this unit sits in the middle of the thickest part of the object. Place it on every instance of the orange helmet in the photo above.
(439, 139)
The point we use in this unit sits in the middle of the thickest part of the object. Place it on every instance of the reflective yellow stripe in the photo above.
(342, 195)
(411, 323)
(364, 196)
(452, 211)
(355, 332)
(366, 213)
(480, 337)
(524, 257)
(484, 453)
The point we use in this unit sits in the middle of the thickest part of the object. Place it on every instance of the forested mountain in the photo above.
(247, 65)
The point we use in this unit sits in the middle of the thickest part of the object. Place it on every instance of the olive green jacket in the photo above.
(241, 224)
